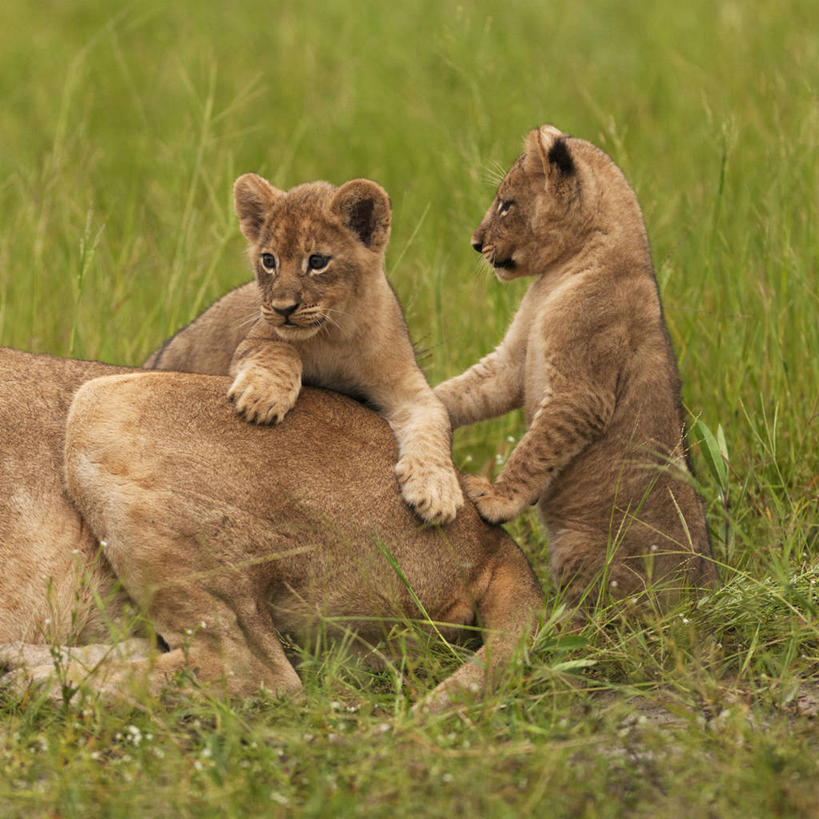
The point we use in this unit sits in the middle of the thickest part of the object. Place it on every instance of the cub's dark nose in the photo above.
(477, 244)
(287, 310)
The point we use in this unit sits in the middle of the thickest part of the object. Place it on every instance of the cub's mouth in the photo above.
(298, 332)
(504, 264)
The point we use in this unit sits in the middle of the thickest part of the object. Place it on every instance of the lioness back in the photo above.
(589, 358)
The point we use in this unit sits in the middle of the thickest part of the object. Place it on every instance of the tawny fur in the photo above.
(325, 315)
(225, 533)
(589, 359)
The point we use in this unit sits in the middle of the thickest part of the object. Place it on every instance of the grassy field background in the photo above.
(122, 128)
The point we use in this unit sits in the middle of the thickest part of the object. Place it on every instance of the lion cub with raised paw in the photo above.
(589, 358)
(329, 318)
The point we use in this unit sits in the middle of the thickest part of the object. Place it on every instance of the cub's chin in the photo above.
(505, 269)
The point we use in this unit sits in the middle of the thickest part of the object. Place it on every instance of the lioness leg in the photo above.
(22, 664)
(222, 636)
(507, 610)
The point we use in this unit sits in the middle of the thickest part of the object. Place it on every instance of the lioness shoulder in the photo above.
(589, 358)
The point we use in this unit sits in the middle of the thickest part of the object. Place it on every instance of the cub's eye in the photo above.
(268, 261)
(317, 262)
(504, 206)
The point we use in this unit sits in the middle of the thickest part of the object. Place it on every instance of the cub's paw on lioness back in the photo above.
(267, 385)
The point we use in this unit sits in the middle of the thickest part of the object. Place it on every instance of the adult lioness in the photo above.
(222, 531)
(328, 317)
(588, 357)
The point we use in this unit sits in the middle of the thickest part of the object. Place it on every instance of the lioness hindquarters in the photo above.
(588, 357)
(54, 588)
(329, 317)
(226, 531)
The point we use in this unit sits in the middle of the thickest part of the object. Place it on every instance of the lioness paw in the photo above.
(492, 507)
(263, 397)
(432, 490)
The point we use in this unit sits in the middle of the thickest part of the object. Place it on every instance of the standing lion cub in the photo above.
(588, 357)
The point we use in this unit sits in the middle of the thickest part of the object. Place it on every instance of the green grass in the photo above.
(121, 133)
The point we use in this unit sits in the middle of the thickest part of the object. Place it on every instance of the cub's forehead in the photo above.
(300, 218)
(514, 176)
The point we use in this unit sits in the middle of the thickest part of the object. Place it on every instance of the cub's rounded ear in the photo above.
(365, 209)
(253, 196)
(546, 153)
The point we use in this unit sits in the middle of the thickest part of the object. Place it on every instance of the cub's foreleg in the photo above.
(428, 479)
(492, 387)
(266, 379)
(564, 424)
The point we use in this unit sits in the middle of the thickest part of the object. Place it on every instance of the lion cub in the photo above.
(329, 318)
(588, 357)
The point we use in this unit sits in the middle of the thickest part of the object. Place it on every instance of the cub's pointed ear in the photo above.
(365, 209)
(253, 197)
(547, 153)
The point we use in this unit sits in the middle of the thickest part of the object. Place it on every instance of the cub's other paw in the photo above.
(432, 490)
(492, 507)
(262, 397)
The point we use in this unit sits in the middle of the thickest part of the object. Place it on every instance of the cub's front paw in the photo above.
(492, 506)
(432, 490)
(262, 397)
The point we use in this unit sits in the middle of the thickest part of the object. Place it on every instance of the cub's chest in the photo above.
(537, 363)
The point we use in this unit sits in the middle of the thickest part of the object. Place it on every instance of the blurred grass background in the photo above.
(122, 128)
